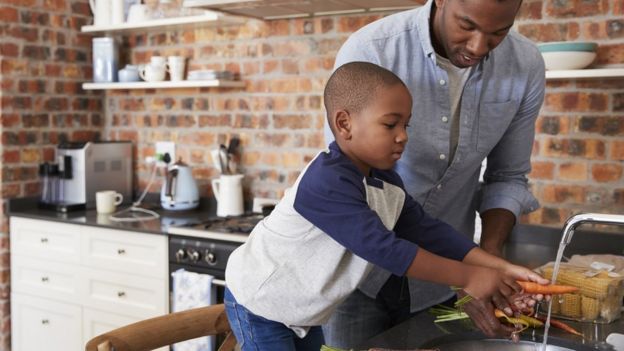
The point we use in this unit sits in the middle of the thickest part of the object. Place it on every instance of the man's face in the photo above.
(465, 31)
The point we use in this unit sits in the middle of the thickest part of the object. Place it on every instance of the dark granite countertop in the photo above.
(28, 208)
(531, 246)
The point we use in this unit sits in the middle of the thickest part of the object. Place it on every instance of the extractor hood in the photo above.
(276, 9)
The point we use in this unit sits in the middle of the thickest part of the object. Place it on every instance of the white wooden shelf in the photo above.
(207, 20)
(215, 83)
(586, 73)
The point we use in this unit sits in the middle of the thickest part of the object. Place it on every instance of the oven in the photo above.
(205, 247)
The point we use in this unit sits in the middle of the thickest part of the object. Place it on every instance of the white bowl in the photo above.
(560, 60)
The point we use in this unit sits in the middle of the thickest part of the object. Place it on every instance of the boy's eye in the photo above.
(390, 125)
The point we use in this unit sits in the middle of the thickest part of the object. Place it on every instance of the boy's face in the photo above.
(378, 134)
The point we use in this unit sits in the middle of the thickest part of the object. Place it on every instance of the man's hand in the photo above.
(482, 315)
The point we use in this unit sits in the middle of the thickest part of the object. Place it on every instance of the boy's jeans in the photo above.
(255, 333)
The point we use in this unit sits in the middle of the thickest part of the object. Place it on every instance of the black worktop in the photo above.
(28, 208)
(531, 246)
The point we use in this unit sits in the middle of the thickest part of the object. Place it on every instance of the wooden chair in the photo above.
(165, 330)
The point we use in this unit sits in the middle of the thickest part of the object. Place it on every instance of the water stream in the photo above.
(562, 246)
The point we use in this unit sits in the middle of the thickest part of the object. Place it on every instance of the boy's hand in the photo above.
(516, 272)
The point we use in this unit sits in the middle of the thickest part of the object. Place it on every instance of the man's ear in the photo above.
(342, 123)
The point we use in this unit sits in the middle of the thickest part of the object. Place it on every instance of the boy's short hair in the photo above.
(353, 86)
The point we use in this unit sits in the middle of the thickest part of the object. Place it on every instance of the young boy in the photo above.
(346, 212)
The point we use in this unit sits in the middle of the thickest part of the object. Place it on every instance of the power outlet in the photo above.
(163, 147)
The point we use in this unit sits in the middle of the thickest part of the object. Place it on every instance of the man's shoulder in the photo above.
(395, 26)
(520, 48)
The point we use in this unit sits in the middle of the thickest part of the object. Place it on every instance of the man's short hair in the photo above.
(353, 86)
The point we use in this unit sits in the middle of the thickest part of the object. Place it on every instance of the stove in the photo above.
(205, 247)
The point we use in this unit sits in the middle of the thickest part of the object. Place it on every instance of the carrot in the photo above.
(561, 325)
(550, 289)
(520, 319)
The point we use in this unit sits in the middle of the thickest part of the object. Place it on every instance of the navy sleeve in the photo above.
(331, 196)
(430, 233)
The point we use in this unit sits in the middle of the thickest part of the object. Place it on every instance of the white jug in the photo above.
(101, 12)
(228, 190)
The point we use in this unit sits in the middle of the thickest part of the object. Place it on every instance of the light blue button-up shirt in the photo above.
(499, 105)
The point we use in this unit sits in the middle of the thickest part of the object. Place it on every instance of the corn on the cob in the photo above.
(571, 305)
(556, 304)
(598, 286)
(590, 308)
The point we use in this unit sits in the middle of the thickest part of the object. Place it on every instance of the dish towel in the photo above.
(192, 290)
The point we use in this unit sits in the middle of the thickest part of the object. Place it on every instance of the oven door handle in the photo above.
(218, 282)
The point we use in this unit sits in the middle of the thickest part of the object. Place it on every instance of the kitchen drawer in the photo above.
(126, 294)
(96, 322)
(40, 324)
(44, 239)
(54, 280)
(128, 252)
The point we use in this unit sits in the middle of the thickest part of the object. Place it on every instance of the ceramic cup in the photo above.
(106, 201)
(138, 13)
(130, 73)
(152, 73)
(176, 66)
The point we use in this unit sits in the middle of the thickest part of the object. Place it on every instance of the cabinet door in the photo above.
(45, 239)
(97, 322)
(125, 294)
(38, 324)
(54, 280)
(128, 252)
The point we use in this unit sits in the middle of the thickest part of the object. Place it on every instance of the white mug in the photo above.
(106, 201)
(138, 13)
(158, 61)
(228, 190)
(151, 73)
(176, 66)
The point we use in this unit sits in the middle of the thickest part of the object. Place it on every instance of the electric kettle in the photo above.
(179, 192)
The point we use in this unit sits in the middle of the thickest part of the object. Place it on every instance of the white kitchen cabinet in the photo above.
(43, 324)
(71, 282)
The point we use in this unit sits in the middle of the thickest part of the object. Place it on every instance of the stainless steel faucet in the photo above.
(599, 218)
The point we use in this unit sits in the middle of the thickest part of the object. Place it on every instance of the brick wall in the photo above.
(578, 151)
(43, 61)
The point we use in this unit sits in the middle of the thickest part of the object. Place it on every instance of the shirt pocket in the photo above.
(494, 119)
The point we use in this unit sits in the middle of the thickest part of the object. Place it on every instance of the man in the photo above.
(477, 90)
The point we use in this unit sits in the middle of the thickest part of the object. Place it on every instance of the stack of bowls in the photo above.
(567, 55)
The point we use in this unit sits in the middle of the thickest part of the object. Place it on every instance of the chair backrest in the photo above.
(165, 330)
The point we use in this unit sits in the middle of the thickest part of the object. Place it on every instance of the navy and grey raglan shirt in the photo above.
(324, 237)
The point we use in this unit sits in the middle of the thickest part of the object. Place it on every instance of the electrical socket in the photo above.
(163, 147)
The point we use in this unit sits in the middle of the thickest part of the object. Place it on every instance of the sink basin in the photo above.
(497, 345)
(472, 342)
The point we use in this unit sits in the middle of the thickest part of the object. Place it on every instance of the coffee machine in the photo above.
(83, 169)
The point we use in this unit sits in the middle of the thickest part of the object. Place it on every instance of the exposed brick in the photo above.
(563, 194)
(9, 49)
(606, 172)
(618, 102)
(541, 32)
(542, 170)
(573, 171)
(8, 14)
(582, 102)
(615, 29)
(576, 8)
(618, 197)
(601, 125)
(530, 10)
(11, 156)
(617, 150)
(610, 54)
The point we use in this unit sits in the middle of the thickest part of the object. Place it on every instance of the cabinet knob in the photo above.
(121, 251)
(44, 240)
(121, 294)
(45, 321)
(45, 279)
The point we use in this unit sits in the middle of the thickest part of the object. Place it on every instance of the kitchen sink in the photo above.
(471, 342)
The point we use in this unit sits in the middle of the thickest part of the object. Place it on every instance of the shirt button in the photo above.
(442, 157)
(442, 82)
(439, 186)
(444, 119)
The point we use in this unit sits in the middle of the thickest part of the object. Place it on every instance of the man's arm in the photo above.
(496, 224)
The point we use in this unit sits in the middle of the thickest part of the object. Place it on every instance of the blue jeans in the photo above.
(255, 333)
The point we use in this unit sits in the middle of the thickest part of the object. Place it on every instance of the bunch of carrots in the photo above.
(522, 320)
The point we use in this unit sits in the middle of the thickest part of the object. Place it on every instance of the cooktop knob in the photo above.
(180, 255)
(194, 255)
(210, 257)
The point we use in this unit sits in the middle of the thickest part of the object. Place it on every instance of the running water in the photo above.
(562, 246)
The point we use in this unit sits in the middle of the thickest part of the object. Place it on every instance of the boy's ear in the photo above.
(342, 123)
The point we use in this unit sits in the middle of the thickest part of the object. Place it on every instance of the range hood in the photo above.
(277, 9)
